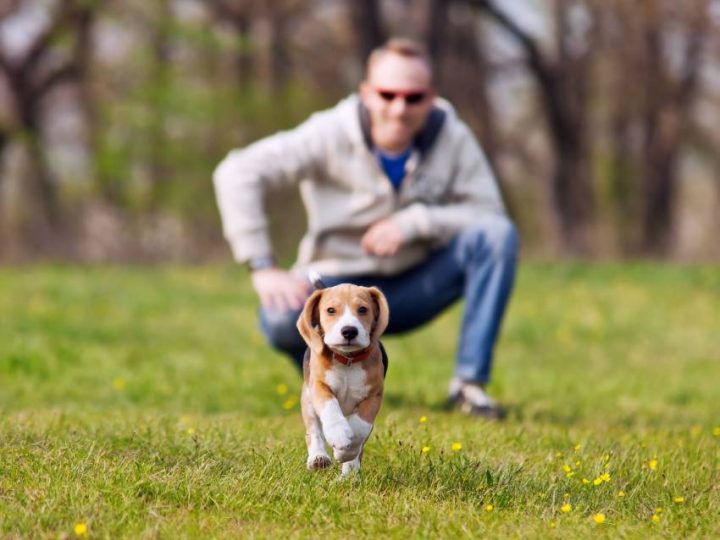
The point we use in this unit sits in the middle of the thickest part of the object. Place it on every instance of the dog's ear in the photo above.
(382, 313)
(308, 324)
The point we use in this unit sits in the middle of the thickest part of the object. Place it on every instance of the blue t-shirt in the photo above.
(394, 166)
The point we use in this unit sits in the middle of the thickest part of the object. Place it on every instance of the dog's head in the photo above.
(345, 318)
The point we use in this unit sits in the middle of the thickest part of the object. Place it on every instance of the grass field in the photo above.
(142, 403)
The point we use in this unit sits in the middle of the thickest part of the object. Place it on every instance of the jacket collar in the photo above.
(423, 141)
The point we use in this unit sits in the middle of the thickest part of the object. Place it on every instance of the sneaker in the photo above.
(472, 399)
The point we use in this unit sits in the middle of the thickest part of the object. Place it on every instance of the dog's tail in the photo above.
(316, 280)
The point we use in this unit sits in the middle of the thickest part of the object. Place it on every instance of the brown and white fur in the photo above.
(344, 371)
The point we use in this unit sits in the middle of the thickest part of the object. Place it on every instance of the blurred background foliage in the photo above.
(599, 116)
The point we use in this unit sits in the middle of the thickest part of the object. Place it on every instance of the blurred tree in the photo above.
(160, 33)
(367, 22)
(239, 15)
(56, 55)
(563, 85)
(167, 87)
(436, 33)
(463, 70)
(668, 104)
(655, 59)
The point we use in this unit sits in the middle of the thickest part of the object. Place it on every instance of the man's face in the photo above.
(399, 97)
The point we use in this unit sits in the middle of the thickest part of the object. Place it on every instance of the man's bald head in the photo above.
(404, 48)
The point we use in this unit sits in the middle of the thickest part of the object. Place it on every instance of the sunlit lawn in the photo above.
(143, 403)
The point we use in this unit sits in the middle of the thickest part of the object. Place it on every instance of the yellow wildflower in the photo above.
(605, 477)
(552, 524)
(585, 481)
(679, 499)
(599, 518)
(281, 389)
(489, 507)
(80, 530)
(567, 507)
(716, 431)
(597, 481)
(425, 449)
(655, 518)
(653, 463)
(289, 403)
(658, 510)
(190, 431)
(621, 493)
(567, 468)
(578, 447)
(423, 419)
(456, 447)
(570, 474)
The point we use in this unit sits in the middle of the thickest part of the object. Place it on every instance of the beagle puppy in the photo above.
(344, 371)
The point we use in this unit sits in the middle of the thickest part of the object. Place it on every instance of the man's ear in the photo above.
(382, 313)
(364, 91)
(308, 324)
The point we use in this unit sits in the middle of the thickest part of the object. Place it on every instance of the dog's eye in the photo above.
(362, 310)
(331, 310)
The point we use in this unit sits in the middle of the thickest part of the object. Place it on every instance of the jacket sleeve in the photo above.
(245, 175)
(474, 192)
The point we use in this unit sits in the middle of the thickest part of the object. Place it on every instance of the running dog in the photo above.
(344, 372)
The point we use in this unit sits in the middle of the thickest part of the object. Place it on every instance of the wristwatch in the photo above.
(261, 263)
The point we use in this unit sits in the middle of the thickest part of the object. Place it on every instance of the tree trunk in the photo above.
(279, 57)
(667, 115)
(660, 183)
(41, 185)
(4, 140)
(563, 87)
(159, 86)
(366, 20)
(243, 57)
(435, 32)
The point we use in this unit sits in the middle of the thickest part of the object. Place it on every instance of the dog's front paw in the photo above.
(339, 435)
(318, 461)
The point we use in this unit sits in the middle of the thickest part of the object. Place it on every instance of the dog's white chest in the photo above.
(348, 383)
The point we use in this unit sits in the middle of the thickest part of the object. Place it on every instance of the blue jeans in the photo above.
(478, 265)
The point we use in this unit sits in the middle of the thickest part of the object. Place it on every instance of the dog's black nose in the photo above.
(349, 332)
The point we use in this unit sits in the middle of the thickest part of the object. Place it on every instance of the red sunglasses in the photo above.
(411, 97)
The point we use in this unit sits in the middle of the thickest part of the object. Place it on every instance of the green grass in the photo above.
(143, 403)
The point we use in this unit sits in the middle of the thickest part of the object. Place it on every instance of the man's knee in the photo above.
(280, 330)
(495, 235)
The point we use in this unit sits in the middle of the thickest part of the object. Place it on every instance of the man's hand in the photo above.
(279, 289)
(384, 238)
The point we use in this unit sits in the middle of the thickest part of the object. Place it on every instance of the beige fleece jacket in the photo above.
(345, 191)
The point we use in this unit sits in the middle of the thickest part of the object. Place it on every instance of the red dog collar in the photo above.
(347, 360)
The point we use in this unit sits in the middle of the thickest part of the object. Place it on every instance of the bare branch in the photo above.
(536, 60)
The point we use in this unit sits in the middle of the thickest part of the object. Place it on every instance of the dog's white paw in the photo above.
(318, 461)
(351, 467)
(339, 435)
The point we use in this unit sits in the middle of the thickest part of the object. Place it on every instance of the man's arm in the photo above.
(474, 193)
(241, 181)
(243, 177)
